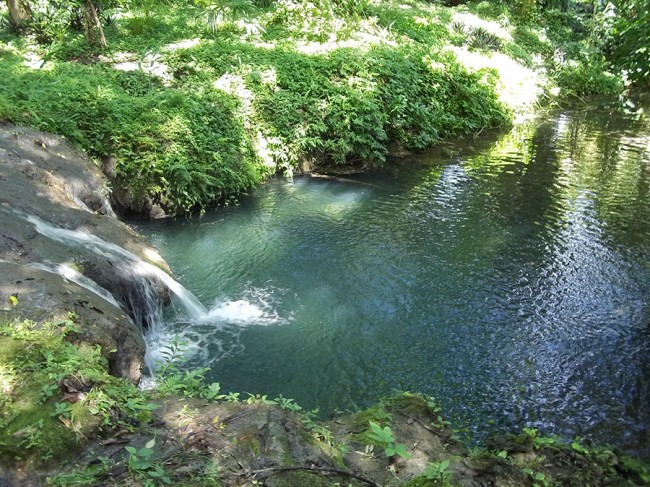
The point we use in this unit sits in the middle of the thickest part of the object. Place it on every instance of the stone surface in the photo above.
(42, 176)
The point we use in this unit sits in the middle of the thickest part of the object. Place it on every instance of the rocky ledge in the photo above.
(55, 214)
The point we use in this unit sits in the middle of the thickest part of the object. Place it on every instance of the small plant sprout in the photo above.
(384, 438)
(438, 472)
(140, 462)
(539, 478)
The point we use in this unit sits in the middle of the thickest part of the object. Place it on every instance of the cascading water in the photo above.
(186, 299)
(72, 275)
(142, 299)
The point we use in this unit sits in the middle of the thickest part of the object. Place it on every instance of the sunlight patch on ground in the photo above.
(474, 22)
(521, 86)
(362, 40)
(262, 147)
(30, 58)
(33, 60)
(235, 85)
(184, 44)
(7, 379)
(150, 63)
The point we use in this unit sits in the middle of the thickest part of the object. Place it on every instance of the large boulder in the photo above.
(40, 295)
(55, 214)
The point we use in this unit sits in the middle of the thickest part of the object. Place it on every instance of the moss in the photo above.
(40, 426)
(252, 441)
(33, 435)
(376, 414)
(425, 482)
(412, 404)
(9, 349)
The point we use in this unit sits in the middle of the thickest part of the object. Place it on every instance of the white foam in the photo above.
(241, 312)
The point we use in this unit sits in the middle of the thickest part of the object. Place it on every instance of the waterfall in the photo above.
(190, 304)
(122, 279)
(142, 290)
(70, 274)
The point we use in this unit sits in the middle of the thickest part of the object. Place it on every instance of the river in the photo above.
(508, 276)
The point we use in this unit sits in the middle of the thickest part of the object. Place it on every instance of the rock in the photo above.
(45, 296)
(46, 182)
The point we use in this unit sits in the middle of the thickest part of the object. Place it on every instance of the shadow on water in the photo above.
(510, 280)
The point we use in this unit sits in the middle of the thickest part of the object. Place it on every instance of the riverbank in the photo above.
(185, 110)
(182, 118)
(68, 422)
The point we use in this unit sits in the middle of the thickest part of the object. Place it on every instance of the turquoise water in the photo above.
(509, 278)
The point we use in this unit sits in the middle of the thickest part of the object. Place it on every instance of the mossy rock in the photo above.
(376, 414)
(425, 482)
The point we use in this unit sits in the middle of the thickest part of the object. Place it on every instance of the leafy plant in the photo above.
(62, 410)
(31, 435)
(438, 472)
(226, 10)
(287, 404)
(384, 437)
(140, 462)
(537, 440)
(212, 392)
(539, 478)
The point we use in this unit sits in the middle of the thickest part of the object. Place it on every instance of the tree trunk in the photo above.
(18, 11)
(93, 26)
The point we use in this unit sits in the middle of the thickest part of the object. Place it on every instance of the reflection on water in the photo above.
(511, 282)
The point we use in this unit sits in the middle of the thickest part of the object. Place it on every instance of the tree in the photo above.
(19, 11)
(632, 39)
(92, 25)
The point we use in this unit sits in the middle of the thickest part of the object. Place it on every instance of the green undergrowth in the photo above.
(534, 459)
(190, 108)
(57, 394)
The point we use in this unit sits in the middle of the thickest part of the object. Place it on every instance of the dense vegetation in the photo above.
(187, 104)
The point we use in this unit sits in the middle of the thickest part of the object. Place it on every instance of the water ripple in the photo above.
(512, 283)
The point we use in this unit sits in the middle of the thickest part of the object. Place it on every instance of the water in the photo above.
(67, 272)
(511, 281)
(131, 277)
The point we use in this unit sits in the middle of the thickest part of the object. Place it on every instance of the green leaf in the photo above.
(150, 443)
(145, 452)
(403, 452)
(379, 434)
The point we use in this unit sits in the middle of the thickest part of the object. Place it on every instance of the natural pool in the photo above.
(508, 276)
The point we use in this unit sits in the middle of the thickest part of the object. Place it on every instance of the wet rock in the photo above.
(46, 296)
(44, 181)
